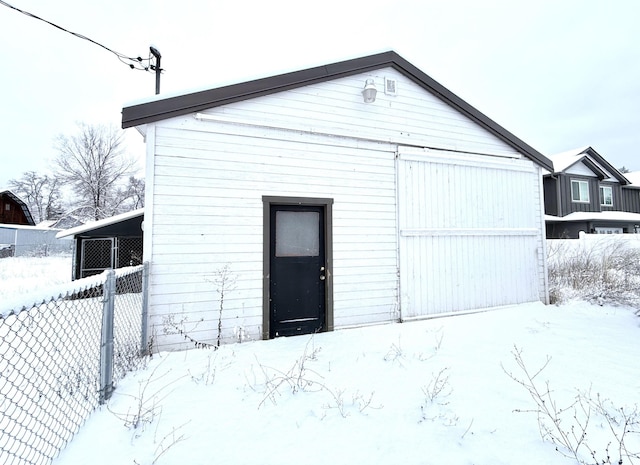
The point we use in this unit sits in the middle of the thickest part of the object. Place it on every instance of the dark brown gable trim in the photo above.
(197, 101)
(158, 110)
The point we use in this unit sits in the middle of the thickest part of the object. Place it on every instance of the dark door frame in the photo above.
(327, 208)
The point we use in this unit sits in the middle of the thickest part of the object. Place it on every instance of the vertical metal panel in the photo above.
(469, 234)
(631, 200)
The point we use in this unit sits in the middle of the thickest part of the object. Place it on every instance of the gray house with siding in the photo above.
(584, 192)
(354, 193)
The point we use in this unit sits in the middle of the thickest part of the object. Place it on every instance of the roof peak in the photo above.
(562, 161)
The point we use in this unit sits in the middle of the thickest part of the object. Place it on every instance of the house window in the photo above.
(606, 196)
(7, 206)
(579, 191)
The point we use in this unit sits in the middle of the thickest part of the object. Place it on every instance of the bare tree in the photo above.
(134, 193)
(41, 193)
(93, 163)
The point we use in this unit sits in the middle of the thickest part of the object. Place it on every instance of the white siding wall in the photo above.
(470, 233)
(209, 183)
(580, 169)
(206, 176)
(413, 117)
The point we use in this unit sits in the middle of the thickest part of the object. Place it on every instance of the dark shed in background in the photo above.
(114, 242)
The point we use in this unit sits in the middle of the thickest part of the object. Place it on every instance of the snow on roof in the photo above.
(596, 216)
(38, 227)
(563, 160)
(11, 193)
(100, 223)
(46, 223)
(23, 205)
(634, 177)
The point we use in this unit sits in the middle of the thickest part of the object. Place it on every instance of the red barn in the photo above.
(13, 210)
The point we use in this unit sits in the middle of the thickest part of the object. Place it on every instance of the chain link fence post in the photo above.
(145, 346)
(47, 394)
(106, 344)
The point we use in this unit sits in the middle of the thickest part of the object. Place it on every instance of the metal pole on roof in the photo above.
(156, 67)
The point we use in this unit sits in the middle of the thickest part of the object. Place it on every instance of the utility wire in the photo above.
(133, 63)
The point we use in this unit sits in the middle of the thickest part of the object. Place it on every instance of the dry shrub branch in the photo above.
(589, 430)
(601, 272)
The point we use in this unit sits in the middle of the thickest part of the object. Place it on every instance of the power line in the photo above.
(139, 63)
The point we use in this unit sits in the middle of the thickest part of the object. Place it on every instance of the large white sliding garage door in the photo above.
(470, 232)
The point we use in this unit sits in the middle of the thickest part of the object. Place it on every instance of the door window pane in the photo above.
(297, 234)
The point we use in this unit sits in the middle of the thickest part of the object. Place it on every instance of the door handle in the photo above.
(322, 277)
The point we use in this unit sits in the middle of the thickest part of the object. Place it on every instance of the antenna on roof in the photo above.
(154, 51)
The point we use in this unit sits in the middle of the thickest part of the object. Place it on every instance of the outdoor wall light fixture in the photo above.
(369, 92)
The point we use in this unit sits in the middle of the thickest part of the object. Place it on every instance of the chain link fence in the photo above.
(103, 253)
(61, 358)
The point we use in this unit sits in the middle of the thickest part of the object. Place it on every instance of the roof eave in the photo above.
(197, 101)
(608, 166)
(100, 223)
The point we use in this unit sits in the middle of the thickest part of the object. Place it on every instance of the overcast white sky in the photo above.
(559, 74)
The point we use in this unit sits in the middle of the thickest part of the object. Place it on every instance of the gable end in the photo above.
(158, 110)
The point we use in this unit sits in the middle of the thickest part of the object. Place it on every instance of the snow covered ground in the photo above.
(25, 280)
(430, 392)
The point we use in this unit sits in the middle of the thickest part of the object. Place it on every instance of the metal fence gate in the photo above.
(100, 254)
(97, 256)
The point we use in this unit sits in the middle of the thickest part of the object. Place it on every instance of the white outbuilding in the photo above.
(348, 194)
